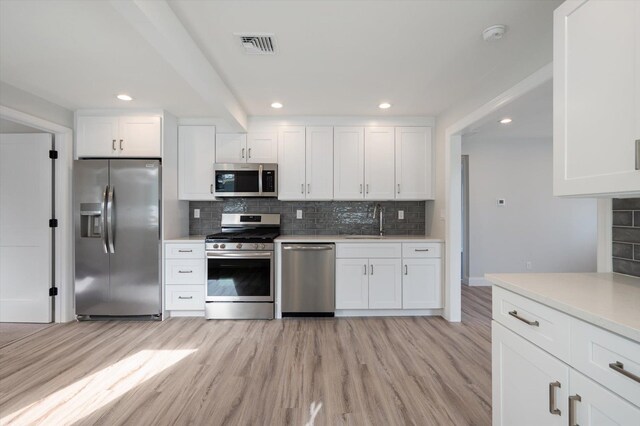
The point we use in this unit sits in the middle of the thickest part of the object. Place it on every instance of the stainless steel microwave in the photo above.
(245, 180)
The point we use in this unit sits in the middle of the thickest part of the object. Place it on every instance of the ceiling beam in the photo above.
(157, 23)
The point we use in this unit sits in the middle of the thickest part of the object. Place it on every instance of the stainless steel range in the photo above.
(240, 267)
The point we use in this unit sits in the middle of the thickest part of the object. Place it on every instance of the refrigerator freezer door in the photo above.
(91, 180)
(135, 238)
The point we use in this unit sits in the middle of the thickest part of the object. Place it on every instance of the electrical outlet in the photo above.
(298, 214)
(501, 202)
(196, 213)
(400, 214)
(529, 265)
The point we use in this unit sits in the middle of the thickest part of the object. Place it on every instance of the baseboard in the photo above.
(478, 282)
(175, 314)
(388, 312)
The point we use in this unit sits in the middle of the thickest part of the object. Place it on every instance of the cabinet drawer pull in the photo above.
(406, 270)
(242, 153)
(524, 320)
(185, 251)
(572, 409)
(113, 145)
(211, 188)
(121, 144)
(308, 188)
(249, 152)
(619, 367)
(302, 188)
(371, 269)
(421, 250)
(361, 188)
(398, 188)
(185, 297)
(367, 188)
(637, 154)
(185, 272)
(553, 408)
(365, 269)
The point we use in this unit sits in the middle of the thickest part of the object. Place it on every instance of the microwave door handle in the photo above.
(260, 179)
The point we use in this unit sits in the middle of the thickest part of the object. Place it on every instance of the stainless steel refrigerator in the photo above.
(117, 238)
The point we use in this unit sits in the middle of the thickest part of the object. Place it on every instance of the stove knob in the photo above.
(255, 246)
(222, 246)
(239, 246)
(215, 246)
(261, 246)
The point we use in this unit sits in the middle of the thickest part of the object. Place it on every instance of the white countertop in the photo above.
(187, 239)
(345, 239)
(608, 300)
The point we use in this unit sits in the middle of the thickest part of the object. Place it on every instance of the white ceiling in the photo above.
(334, 57)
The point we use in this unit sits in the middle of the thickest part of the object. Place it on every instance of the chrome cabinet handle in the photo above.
(184, 297)
(421, 250)
(524, 320)
(249, 152)
(211, 188)
(121, 144)
(365, 269)
(398, 188)
(637, 154)
(361, 188)
(308, 188)
(185, 251)
(619, 367)
(406, 270)
(302, 188)
(371, 270)
(242, 152)
(367, 188)
(553, 408)
(185, 272)
(572, 409)
(113, 145)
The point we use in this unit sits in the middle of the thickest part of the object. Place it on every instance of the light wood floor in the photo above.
(364, 371)
(12, 331)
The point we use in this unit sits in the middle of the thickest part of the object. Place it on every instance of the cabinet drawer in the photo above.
(184, 251)
(184, 297)
(421, 250)
(372, 250)
(541, 325)
(184, 271)
(594, 349)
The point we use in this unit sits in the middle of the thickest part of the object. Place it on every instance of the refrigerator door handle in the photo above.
(110, 207)
(104, 220)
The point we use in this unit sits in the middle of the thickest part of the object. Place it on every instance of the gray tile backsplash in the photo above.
(626, 236)
(318, 217)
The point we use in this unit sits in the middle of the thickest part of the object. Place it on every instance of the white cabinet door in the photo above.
(291, 163)
(319, 170)
(598, 406)
(379, 163)
(414, 166)
(231, 148)
(262, 147)
(352, 284)
(385, 284)
(97, 137)
(140, 137)
(421, 284)
(596, 97)
(522, 375)
(196, 156)
(348, 166)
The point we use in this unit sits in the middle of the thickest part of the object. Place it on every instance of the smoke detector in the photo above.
(494, 32)
(258, 43)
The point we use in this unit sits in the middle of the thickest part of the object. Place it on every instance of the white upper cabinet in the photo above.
(262, 147)
(139, 137)
(379, 164)
(231, 148)
(196, 156)
(291, 165)
(319, 163)
(596, 97)
(348, 166)
(414, 176)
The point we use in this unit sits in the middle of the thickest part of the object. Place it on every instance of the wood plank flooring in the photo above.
(12, 331)
(364, 371)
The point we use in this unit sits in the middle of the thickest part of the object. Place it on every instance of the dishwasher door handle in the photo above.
(307, 247)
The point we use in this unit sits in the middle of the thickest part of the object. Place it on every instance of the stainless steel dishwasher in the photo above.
(308, 279)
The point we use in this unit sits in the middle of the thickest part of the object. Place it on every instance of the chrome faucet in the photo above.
(380, 209)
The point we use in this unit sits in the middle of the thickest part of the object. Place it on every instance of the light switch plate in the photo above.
(196, 213)
(400, 214)
(298, 214)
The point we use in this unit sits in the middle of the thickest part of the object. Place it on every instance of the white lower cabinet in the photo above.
(352, 284)
(421, 284)
(385, 284)
(184, 276)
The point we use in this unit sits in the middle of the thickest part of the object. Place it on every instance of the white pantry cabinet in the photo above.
(119, 137)
(252, 147)
(196, 156)
(379, 164)
(348, 165)
(596, 92)
(414, 171)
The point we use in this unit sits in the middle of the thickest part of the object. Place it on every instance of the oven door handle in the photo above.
(265, 255)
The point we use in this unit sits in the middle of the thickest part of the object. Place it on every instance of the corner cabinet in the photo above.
(118, 137)
(196, 156)
(596, 81)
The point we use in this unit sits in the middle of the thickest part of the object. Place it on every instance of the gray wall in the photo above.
(626, 236)
(26, 102)
(319, 217)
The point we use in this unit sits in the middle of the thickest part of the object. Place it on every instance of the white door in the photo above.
(291, 163)
(262, 147)
(140, 137)
(414, 176)
(231, 148)
(385, 284)
(196, 156)
(25, 236)
(421, 284)
(352, 284)
(596, 97)
(348, 165)
(319, 170)
(525, 380)
(598, 406)
(97, 137)
(379, 163)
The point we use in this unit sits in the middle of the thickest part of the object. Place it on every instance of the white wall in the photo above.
(28, 103)
(554, 234)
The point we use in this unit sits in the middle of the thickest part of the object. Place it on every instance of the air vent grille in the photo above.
(258, 44)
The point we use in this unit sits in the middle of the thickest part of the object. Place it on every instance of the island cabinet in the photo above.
(550, 368)
(596, 92)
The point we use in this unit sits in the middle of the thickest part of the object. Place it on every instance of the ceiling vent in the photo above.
(258, 44)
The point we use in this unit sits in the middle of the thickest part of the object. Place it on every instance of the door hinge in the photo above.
(53, 291)
(53, 154)
(53, 223)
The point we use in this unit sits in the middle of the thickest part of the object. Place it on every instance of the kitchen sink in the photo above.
(364, 237)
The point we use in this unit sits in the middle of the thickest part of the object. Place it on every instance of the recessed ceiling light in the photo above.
(124, 97)
(506, 120)
(384, 105)
(276, 105)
